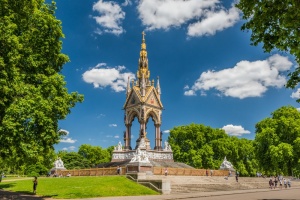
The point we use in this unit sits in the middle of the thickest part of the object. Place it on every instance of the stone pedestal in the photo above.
(139, 167)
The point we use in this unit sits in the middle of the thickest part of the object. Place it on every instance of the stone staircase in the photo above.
(190, 184)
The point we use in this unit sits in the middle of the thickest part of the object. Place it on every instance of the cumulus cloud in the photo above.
(213, 22)
(166, 131)
(102, 77)
(203, 17)
(126, 3)
(116, 136)
(245, 79)
(70, 148)
(190, 93)
(235, 130)
(112, 125)
(67, 140)
(63, 131)
(110, 16)
(296, 95)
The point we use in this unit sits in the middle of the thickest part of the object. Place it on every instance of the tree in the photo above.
(277, 141)
(72, 160)
(276, 24)
(33, 92)
(192, 145)
(204, 147)
(94, 154)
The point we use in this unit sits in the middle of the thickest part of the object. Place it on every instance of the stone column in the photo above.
(128, 137)
(157, 138)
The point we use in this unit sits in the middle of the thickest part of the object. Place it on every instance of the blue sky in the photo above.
(209, 73)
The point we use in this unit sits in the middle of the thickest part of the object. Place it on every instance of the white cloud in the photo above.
(166, 131)
(67, 140)
(126, 3)
(112, 125)
(108, 77)
(246, 79)
(213, 22)
(235, 130)
(111, 17)
(70, 148)
(64, 132)
(208, 14)
(189, 93)
(186, 87)
(100, 115)
(296, 95)
(116, 136)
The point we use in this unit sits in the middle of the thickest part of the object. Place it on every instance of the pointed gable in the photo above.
(134, 98)
(152, 98)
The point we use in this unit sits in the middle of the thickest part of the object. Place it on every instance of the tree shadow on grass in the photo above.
(7, 185)
(20, 195)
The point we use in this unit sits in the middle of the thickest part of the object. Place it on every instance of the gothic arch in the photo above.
(154, 116)
(131, 115)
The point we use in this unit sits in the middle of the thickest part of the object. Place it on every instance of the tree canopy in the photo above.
(277, 142)
(205, 147)
(276, 24)
(33, 93)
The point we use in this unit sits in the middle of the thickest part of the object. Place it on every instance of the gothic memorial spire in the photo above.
(143, 71)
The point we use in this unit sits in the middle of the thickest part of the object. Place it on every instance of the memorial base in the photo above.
(138, 167)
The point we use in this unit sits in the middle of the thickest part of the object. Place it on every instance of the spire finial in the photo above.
(143, 61)
(143, 33)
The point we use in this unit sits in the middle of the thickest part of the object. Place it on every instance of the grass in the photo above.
(80, 187)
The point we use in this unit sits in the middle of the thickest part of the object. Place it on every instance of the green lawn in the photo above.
(80, 187)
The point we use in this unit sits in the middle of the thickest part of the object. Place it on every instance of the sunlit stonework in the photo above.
(143, 102)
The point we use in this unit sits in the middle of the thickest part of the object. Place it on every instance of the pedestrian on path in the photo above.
(284, 183)
(271, 183)
(35, 182)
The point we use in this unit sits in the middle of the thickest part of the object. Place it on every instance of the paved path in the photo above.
(255, 194)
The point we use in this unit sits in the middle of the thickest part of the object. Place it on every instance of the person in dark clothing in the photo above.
(35, 182)
(118, 170)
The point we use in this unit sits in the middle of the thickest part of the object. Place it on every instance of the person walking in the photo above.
(289, 183)
(118, 170)
(271, 183)
(35, 182)
(284, 183)
(280, 183)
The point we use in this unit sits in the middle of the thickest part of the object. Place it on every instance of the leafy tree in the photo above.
(204, 147)
(189, 144)
(73, 160)
(94, 154)
(276, 24)
(277, 141)
(33, 92)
